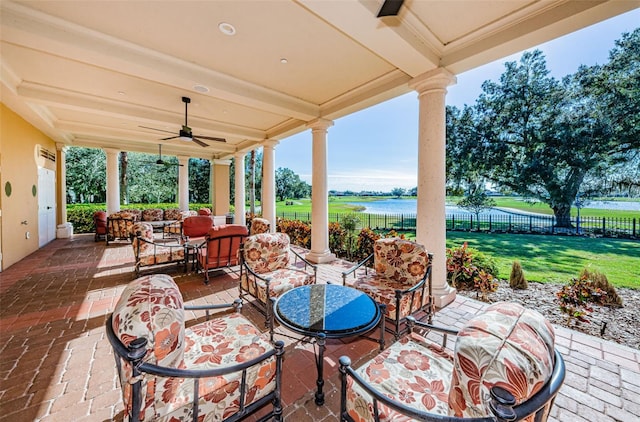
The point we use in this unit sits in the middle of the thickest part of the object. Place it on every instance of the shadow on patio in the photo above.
(56, 363)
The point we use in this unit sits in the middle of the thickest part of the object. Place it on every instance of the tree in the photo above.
(124, 185)
(86, 169)
(289, 185)
(397, 192)
(535, 138)
(476, 202)
(199, 180)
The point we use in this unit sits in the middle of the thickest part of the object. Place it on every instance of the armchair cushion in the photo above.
(152, 307)
(197, 226)
(383, 290)
(137, 214)
(172, 214)
(267, 252)
(506, 346)
(221, 247)
(120, 225)
(147, 252)
(152, 214)
(400, 260)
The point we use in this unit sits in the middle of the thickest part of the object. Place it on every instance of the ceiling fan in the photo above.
(185, 133)
(161, 162)
(390, 8)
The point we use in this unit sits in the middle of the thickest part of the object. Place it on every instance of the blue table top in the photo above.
(335, 310)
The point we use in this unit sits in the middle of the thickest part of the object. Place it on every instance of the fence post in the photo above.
(453, 221)
(633, 231)
(471, 223)
(385, 221)
(489, 222)
(369, 225)
(402, 221)
(604, 225)
(530, 223)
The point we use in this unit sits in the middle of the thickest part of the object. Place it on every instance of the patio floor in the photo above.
(56, 364)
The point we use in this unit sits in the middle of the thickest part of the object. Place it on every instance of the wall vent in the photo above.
(47, 154)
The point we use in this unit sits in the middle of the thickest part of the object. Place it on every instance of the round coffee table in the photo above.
(322, 311)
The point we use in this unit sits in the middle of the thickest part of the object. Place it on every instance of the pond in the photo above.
(409, 206)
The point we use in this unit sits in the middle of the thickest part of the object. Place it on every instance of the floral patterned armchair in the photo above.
(259, 225)
(504, 367)
(120, 226)
(219, 369)
(401, 280)
(269, 267)
(148, 253)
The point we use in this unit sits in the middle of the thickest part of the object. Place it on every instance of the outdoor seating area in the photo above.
(58, 363)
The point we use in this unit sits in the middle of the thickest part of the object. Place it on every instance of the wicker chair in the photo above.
(221, 369)
(504, 368)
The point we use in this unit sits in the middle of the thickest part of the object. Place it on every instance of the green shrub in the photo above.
(516, 278)
(299, 232)
(338, 239)
(364, 245)
(577, 296)
(469, 269)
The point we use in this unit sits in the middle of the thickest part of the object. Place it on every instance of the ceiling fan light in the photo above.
(185, 138)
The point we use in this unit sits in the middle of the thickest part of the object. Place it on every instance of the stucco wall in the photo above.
(19, 167)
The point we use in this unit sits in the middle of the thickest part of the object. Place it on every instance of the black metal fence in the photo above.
(507, 223)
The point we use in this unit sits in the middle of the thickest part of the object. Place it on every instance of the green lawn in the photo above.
(558, 258)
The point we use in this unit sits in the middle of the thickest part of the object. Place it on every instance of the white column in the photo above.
(240, 197)
(113, 181)
(268, 199)
(431, 217)
(64, 229)
(183, 183)
(320, 252)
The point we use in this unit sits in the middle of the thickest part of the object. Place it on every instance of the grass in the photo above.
(557, 259)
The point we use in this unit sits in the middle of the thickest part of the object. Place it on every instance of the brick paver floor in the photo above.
(56, 364)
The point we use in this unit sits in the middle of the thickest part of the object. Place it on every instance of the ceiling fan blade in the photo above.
(199, 142)
(171, 137)
(390, 8)
(212, 138)
(153, 128)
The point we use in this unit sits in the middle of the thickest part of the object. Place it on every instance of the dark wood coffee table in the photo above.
(322, 311)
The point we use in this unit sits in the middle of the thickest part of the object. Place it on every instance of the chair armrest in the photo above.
(253, 273)
(414, 323)
(353, 269)
(237, 305)
(164, 371)
(306, 263)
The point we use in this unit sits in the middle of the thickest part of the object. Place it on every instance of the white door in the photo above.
(46, 206)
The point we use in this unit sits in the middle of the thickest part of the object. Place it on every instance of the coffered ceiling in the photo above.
(92, 73)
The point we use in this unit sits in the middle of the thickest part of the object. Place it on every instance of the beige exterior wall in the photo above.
(222, 189)
(19, 166)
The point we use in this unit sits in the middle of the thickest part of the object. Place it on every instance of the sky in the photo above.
(376, 149)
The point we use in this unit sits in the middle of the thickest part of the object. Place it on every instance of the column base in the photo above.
(442, 296)
(320, 257)
(64, 231)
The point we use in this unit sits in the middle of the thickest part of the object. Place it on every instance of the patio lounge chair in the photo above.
(401, 279)
(221, 248)
(504, 368)
(269, 267)
(120, 226)
(219, 369)
(149, 253)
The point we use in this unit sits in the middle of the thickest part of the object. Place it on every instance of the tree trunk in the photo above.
(562, 213)
(124, 161)
(252, 182)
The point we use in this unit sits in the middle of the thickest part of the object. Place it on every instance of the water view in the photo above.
(409, 206)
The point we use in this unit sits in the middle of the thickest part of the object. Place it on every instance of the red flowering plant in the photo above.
(578, 295)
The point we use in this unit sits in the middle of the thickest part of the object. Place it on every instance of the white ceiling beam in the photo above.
(357, 19)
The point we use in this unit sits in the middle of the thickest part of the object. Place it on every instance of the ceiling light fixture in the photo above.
(227, 28)
(200, 88)
(284, 61)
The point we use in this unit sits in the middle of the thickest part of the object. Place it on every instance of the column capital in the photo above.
(219, 162)
(433, 80)
(320, 124)
(111, 150)
(239, 154)
(62, 147)
(270, 143)
(183, 159)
